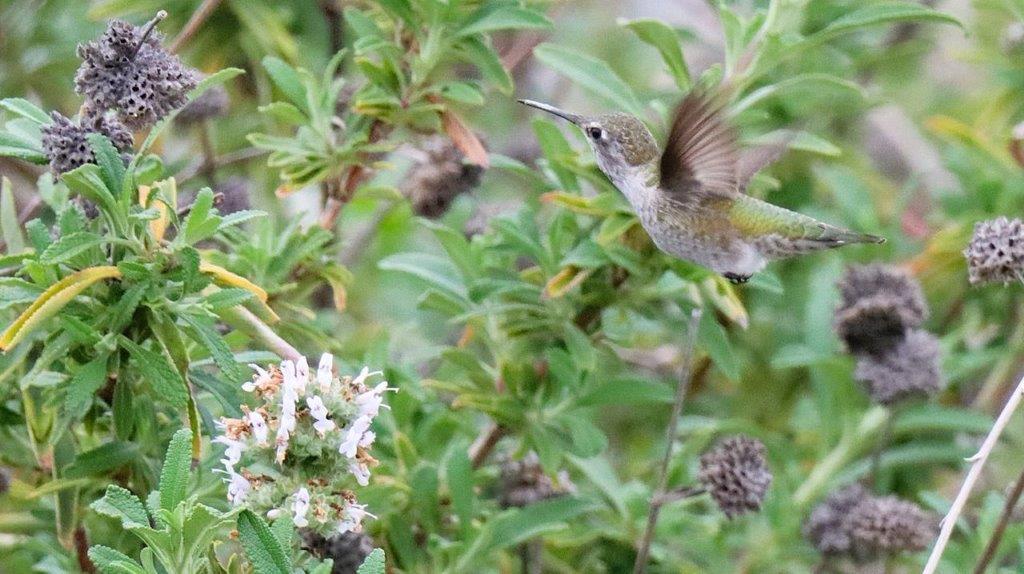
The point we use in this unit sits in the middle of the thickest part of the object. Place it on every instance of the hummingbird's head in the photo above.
(619, 140)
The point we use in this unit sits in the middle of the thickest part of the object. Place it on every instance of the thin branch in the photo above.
(195, 22)
(659, 497)
(229, 158)
(484, 443)
(978, 462)
(209, 165)
(81, 540)
(1004, 519)
(244, 320)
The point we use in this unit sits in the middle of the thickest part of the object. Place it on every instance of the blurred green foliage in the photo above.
(558, 323)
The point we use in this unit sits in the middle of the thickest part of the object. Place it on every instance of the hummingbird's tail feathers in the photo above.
(840, 237)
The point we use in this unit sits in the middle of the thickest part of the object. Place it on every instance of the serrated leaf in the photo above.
(110, 561)
(174, 475)
(590, 74)
(68, 246)
(261, 546)
(374, 563)
(207, 336)
(239, 217)
(109, 160)
(200, 223)
(228, 298)
(53, 300)
(102, 459)
(157, 370)
(122, 504)
(80, 390)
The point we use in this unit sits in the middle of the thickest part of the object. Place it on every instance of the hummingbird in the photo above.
(690, 197)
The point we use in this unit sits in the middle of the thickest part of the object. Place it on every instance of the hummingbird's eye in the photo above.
(595, 132)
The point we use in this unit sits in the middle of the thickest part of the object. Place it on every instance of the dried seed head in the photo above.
(348, 550)
(433, 182)
(66, 145)
(129, 71)
(826, 528)
(879, 303)
(736, 475)
(210, 104)
(996, 251)
(887, 525)
(234, 195)
(523, 482)
(910, 369)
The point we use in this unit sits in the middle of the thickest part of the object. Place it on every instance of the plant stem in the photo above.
(209, 166)
(978, 462)
(195, 22)
(658, 498)
(147, 30)
(82, 550)
(244, 320)
(876, 455)
(847, 448)
(484, 443)
(1004, 519)
(531, 553)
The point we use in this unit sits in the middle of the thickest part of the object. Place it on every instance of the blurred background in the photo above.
(916, 143)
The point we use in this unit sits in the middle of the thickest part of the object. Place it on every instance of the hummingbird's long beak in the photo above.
(576, 119)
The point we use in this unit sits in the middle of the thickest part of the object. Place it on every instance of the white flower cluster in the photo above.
(301, 443)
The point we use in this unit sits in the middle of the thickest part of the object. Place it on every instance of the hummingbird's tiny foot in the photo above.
(736, 279)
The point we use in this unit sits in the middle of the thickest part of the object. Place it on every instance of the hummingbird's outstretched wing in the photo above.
(700, 155)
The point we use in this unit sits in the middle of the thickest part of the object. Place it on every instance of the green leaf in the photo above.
(627, 392)
(261, 546)
(109, 160)
(68, 246)
(87, 182)
(13, 146)
(26, 109)
(590, 74)
(882, 13)
(374, 563)
(102, 459)
(87, 380)
(122, 504)
(666, 41)
(207, 336)
(288, 81)
(481, 54)
(284, 112)
(460, 488)
(503, 18)
(110, 561)
(715, 341)
(9, 226)
(283, 529)
(228, 297)
(200, 223)
(158, 371)
(174, 475)
(433, 269)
